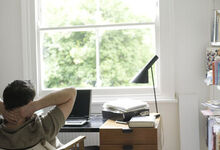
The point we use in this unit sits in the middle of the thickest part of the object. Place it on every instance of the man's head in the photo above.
(17, 94)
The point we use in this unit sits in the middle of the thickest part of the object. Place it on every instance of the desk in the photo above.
(115, 136)
(93, 125)
(119, 136)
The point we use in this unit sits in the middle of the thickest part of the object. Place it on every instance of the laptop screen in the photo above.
(81, 108)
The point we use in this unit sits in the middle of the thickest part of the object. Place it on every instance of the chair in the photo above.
(78, 144)
(75, 144)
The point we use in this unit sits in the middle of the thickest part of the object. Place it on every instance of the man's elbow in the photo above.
(73, 92)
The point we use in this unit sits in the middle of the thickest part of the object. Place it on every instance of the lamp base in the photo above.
(157, 115)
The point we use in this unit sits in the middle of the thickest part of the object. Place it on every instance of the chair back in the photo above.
(77, 143)
(41, 146)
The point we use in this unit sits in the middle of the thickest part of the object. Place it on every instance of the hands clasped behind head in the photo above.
(18, 115)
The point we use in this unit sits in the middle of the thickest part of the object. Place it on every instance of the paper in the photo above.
(126, 104)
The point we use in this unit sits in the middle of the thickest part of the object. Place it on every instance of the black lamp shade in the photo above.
(142, 76)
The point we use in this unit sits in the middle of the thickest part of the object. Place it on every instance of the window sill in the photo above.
(101, 95)
(144, 97)
(96, 106)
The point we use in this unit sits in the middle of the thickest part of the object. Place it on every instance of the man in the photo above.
(22, 128)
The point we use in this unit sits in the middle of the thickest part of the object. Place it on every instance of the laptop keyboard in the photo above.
(75, 122)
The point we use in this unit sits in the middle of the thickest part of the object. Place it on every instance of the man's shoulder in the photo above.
(54, 113)
(52, 121)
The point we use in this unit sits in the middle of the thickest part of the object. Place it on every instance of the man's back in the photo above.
(20, 129)
(33, 131)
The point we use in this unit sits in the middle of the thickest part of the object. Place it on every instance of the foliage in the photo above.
(70, 57)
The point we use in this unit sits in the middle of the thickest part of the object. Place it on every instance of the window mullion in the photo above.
(98, 74)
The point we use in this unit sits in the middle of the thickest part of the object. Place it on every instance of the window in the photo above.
(99, 44)
(95, 43)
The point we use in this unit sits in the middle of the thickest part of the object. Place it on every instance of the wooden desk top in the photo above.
(96, 122)
(112, 124)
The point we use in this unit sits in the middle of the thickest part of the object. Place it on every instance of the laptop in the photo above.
(81, 109)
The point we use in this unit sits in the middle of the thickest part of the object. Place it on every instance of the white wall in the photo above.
(10, 42)
(191, 19)
(192, 34)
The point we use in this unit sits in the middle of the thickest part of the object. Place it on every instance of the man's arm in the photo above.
(64, 99)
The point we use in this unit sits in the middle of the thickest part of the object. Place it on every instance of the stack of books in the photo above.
(212, 111)
(212, 108)
(213, 129)
(213, 66)
(124, 109)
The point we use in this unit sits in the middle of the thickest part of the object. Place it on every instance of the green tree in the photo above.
(70, 57)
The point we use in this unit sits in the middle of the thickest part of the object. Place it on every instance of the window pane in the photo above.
(123, 53)
(68, 59)
(58, 13)
(127, 11)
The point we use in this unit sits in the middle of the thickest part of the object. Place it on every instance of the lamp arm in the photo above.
(155, 98)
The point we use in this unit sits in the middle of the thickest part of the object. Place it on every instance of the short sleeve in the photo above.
(52, 123)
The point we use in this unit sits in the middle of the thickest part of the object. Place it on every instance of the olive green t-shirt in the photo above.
(33, 131)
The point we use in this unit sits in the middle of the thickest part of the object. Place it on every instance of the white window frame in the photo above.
(165, 64)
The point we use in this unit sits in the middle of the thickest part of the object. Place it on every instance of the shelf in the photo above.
(215, 44)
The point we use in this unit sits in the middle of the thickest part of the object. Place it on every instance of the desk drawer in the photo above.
(133, 147)
(139, 136)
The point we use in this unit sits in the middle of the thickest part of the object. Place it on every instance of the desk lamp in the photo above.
(142, 76)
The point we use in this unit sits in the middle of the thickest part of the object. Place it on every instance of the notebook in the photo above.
(142, 121)
(81, 109)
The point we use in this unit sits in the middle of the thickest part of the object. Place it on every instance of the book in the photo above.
(125, 105)
(216, 133)
(213, 72)
(124, 116)
(212, 104)
(217, 140)
(142, 121)
(218, 74)
(212, 108)
(210, 112)
(211, 122)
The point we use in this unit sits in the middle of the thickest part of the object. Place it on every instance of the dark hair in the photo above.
(18, 93)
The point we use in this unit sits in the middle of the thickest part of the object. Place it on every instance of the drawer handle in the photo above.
(127, 147)
(127, 130)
